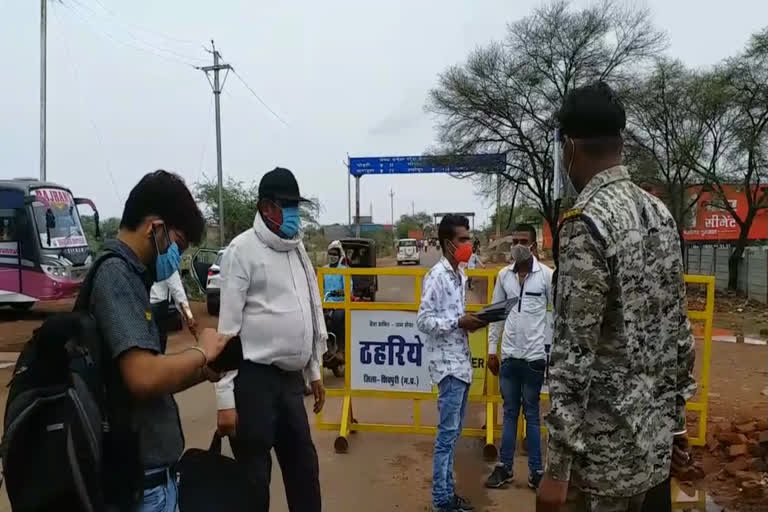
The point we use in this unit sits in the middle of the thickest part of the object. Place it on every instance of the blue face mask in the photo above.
(168, 262)
(291, 222)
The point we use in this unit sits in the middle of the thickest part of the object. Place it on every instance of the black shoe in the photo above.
(534, 479)
(500, 477)
(461, 505)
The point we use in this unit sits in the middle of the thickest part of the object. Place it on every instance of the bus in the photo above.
(44, 252)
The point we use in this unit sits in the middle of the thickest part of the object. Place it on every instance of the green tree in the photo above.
(108, 229)
(661, 127)
(419, 221)
(240, 200)
(521, 214)
(732, 102)
(504, 98)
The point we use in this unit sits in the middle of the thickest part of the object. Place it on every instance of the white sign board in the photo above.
(388, 352)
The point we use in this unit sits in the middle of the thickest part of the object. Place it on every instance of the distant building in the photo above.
(339, 231)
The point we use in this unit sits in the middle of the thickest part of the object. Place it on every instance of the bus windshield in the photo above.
(57, 220)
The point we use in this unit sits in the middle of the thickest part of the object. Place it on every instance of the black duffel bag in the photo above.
(209, 481)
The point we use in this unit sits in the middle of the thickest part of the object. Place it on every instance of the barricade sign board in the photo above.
(388, 352)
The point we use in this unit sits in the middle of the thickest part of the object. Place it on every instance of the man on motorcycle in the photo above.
(333, 285)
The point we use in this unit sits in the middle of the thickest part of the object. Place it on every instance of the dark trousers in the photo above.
(160, 314)
(659, 498)
(271, 414)
(339, 329)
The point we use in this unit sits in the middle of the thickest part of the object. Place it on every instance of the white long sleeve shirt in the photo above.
(171, 287)
(528, 327)
(265, 299)
(442, 305)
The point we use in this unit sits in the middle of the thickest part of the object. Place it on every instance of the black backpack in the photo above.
(64, 447)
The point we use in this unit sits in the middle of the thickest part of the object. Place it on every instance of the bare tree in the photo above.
(661, 129)
(504, 98)
(732, 102)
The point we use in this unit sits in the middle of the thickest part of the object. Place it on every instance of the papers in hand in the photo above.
(498, 311)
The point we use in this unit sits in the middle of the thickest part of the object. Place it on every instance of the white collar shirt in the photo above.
(528, 327)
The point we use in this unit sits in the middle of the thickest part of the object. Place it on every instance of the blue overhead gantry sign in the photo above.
(425, 164)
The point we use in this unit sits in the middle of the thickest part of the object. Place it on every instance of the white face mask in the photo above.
(333, 259)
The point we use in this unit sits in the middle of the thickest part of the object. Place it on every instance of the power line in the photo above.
(109, 36)
(258, 98)
(145, 29)
(76, 74)
(171, 54)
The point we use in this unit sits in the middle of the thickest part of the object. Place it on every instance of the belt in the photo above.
(158, 479)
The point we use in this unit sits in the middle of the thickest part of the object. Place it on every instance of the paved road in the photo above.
(381, 472)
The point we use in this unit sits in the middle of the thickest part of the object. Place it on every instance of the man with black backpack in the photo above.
(91, 423)
(159, 222)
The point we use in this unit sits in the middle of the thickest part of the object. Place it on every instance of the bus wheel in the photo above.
(22, 306)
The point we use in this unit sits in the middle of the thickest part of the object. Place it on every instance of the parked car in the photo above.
(207, 272)
(408, 251)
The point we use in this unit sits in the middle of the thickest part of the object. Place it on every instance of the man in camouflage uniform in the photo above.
(622, 355)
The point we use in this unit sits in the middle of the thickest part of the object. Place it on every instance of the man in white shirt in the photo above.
(526, 340)
(442, 317)
(270, 297)
(159, 297)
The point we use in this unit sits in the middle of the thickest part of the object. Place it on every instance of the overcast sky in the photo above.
(347, 76)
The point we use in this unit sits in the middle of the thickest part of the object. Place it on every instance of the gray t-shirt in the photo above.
(120, 304)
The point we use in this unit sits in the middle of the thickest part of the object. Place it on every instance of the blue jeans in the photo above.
(451, 407)
(521, 381)
(163, 498)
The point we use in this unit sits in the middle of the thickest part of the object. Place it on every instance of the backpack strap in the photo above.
(82, 304)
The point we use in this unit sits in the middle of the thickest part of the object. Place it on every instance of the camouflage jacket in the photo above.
(622, 355)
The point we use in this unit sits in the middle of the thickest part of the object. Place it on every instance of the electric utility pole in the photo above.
(43, 66)
(392, 206)
(217, 88)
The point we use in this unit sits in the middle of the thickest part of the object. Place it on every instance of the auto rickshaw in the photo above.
(361, 253)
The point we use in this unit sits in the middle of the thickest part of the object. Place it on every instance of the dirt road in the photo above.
(381, 472)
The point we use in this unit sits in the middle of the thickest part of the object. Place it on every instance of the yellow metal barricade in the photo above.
(347, 423)
(490, 395)
(700, 406)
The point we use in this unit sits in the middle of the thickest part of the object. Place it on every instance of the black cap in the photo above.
(281, 185)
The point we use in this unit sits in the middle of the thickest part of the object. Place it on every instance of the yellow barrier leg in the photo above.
(341, 445)
(489, 450)
(417, 413)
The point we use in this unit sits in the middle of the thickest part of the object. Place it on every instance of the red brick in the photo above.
(747, 476)
(763, 439)
(712, 443)
(738, 465)
(753, 489)
(731, 438)
(762, 425)
(759, 466)
(737, 450)
(746, 428)
(722, 426)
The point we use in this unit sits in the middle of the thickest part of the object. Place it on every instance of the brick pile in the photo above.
(742, 449)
